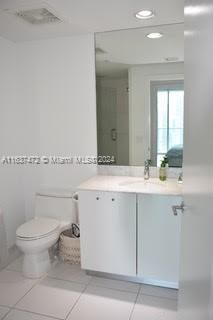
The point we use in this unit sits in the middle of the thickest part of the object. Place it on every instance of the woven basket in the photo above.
(69, 249)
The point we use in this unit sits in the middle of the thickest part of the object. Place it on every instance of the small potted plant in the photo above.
(163, 169)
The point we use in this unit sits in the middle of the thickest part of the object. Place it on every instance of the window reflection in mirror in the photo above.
(167, 111)
(140, 95)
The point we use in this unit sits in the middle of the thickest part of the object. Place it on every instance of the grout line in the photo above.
(36, 282)
(15, 307)
(96, 285)
(89, 282)
(136, 299)
(86, 286)
(70, 281)
(110, 288)
(38, 314)
(75, 303)
(6, 313)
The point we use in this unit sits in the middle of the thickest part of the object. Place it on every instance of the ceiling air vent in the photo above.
(37, 16)
(171, 59)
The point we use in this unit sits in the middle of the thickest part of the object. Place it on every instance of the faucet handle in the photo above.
(147, 162)
(146, 169)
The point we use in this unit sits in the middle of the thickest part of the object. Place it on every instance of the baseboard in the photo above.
(153, 282)
(12, 254)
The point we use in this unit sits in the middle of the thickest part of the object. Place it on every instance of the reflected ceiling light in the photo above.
(189, 33)
(144, 14)
(154, 35)
(195, 10)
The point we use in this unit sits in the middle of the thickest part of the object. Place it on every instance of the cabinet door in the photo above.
(158, 239)
(108, 232)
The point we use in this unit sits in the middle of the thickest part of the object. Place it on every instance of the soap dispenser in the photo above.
(163, 169)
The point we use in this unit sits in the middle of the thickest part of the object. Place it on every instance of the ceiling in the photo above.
(118, 50)
(84, 16)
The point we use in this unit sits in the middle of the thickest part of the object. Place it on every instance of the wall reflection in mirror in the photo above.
(140, 95)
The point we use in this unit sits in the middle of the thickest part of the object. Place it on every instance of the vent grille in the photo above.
(37, 16)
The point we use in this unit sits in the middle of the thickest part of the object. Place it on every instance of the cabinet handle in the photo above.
(175, 209)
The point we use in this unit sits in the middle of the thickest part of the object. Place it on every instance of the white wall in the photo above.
(62, 74)
(139, 105)
(48, 107)
(13, 138)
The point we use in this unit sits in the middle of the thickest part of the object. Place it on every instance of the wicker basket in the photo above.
(69, 249)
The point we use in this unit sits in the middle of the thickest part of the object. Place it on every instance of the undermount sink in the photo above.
(151, 181)
(152, 186)
(133, 185)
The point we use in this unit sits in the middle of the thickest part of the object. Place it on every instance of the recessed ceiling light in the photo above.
(195, 10)
(144, 14)
(154, 35)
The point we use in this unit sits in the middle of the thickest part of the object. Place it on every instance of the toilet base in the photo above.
(36, 265)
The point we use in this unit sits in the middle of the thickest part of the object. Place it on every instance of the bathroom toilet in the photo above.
(54, 213)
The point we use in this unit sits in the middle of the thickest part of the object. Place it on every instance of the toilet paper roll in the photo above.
(3, 242)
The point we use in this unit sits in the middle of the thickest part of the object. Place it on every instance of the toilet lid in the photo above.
(37, 228)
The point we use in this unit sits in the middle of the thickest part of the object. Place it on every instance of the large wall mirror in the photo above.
(140, 95)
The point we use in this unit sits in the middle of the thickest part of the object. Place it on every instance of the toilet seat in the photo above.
(37, 228)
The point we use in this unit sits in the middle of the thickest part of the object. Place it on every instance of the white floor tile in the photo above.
(66, 271)
(154, 308)
(22, 315)
(115, 284)
(16, 265)
(3, 311)
(13, 287)
(52, 297)
(159, 292)
(103, 304)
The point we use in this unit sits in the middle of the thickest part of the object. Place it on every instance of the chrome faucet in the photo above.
(146, 169)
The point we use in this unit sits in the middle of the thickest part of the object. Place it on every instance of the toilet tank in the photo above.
(56, 204)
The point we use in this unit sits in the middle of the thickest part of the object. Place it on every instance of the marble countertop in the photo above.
(132, 185)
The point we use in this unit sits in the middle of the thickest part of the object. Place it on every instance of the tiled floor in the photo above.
(68, 293)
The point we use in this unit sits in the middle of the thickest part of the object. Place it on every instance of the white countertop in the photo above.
(132, 185)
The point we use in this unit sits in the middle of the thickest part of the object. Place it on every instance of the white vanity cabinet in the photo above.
(158, 247)
(108, 232)
(128, 228)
